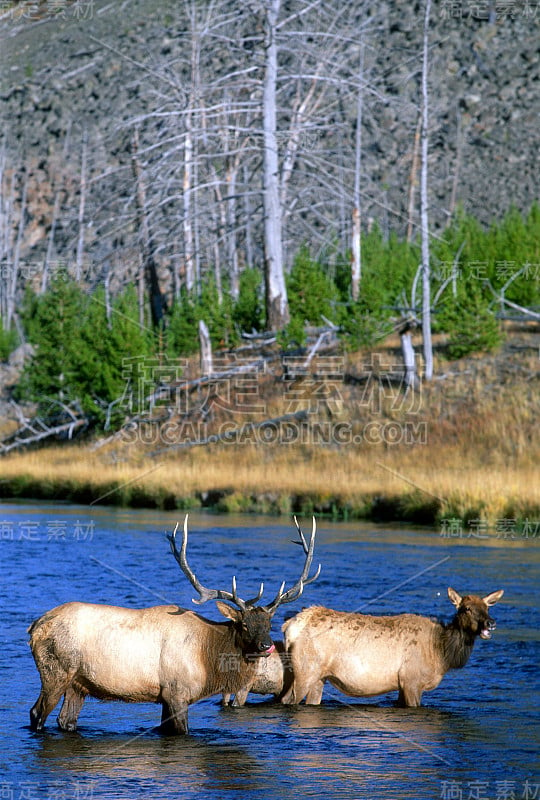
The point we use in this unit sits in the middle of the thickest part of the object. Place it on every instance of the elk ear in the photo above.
(455, 598)
(494, 597)
(228, 611)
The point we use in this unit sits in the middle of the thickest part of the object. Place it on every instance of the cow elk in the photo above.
(364, 655)
(163, 654)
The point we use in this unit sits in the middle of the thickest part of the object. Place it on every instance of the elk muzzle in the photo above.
(488, 628)
(257, 648)
(265, 648)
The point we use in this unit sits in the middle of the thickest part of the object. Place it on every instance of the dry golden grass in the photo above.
(480, 459)
(346, 481)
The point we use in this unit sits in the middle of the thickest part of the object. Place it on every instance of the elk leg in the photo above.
(409, 696)
(174, 718)
(240, 698)
(47, 700)
(287, 698)
(297, 692)
(314, 695)
(71, 707)
(305, 669)
(288, 679)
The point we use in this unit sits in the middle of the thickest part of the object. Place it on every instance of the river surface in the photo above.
(475, 736)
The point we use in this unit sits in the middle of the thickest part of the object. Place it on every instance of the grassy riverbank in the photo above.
(422, 485)
(473, 456)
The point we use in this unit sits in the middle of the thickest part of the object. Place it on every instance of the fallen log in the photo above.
(39, 427)
(16, 439)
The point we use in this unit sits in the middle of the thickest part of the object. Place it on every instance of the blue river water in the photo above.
(475, 737)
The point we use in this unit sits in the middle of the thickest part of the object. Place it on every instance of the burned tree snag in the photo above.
(157, 301)
(206, 349)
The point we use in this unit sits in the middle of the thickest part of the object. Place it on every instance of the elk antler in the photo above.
(295, 591)
(206, 594)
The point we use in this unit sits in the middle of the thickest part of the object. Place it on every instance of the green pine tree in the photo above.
(53, 325)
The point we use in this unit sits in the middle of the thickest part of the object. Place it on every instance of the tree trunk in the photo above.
(232, 251)
(219, 217)
(356, 264)
(412, 180)
(190, 177)
(424, 222)
(356, 272)
(12, 283)
(409, 359)
(187, 222)
(250, 258)
(56, 211)
(455, 180)
(107, 286)
(176, 261)
(82, 204)
(206, 349)
(140, 291)
(50, 243)
(277, 307)
(157, 304)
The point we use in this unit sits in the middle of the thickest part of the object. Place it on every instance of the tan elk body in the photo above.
(365, 655)
(163, 654)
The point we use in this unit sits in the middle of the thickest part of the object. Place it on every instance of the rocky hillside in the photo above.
(91, 70)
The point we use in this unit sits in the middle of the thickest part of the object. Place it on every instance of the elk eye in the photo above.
(467, 609)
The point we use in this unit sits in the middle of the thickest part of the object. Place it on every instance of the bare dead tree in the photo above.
(59, 191)
(238, 129)
(6, 206)
(188, 222)
(14, 186)
(205, 349)
(356, 247)
(82, 204)
(424, 207)
(413, 180)
(13, 278)
(457, 167)
(406, 327)
(157, 305)
(277, 306)
(248, 134)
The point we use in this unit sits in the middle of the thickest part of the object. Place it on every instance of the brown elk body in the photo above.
(364, 655)
(163, 654)
(273, 675)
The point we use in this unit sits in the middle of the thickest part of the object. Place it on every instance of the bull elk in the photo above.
(365, 655)
(163, 654)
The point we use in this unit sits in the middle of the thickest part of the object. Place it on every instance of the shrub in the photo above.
(312, 294)
(363, 324)
(293, 335)
(248, 311)
(182, 332)
(470, 323)
(52, 321)
(183, 323)
(81, 356)
(8, 342)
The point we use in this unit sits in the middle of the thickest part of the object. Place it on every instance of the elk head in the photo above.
(473, 612)
(251, 623)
